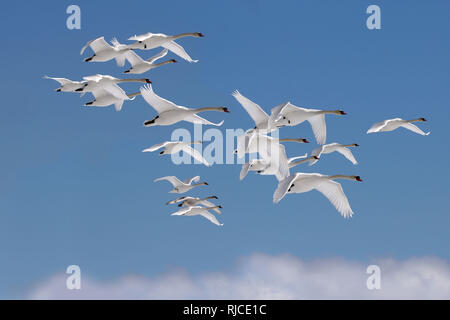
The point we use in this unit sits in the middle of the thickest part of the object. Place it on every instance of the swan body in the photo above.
(154, 40)
(104, 98)
(194, 201)
(392, 124)
(169, 113)
(332, 147)
(289, 115)
(66, 84)
(180, 186)
(202, 211)
(103, 51)
(304, 182)
(139, 65)
(171, 147)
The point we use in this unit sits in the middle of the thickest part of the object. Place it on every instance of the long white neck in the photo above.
(163, 63)
(296, 163)
(415, 120)
(340, 176)
(292, 140)
(207, 109)
(200, 184)
(350, 145)
(207, 198)
(133, 80)
(329, 112)
(186, 34)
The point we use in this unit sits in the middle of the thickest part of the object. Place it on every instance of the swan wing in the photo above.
(290, 160)
(182, 211)
(280, 110)
(208, 204)
(348, 154)
(158, 103)
(197, 119)
(116, 91)
(255, 111)
(334, 193)
(414, 128)
(62, 81)
(178, 50)
(95, 78)
(193, 179)
(244, 171)
(158, 56)
(210, 217)
(195, 154)
(141, 37)
(319, 128)
(96, 45)
(172, 179)
(133, 58)
(377, 127)
(283, 187)
(118, 105)
(156, 147)
(100, 92)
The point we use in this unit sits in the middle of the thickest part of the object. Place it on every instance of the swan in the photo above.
(332, 147)
(289, 115)
(139, 65)
(107, 83)
(182, 187)
(193, 201)
(153, 40)
(103, 51)
(171, 147)
(392, 124)
(304, 182)
(263, 144)
(202, 211)
(66, 84)
(104, 98)
(170, 113)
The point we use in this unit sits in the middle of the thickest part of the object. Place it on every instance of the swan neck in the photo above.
(340, 176)
(133, 80)
(207, 109)
(186, 34)
(162, 63)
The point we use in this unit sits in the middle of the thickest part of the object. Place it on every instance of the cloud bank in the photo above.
(262, 276)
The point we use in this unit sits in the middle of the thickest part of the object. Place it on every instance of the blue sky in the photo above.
(76, 189)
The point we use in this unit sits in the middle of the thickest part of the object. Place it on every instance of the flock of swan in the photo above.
(272, 154)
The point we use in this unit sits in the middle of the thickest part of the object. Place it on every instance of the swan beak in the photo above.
(343, 113)
(315, 157)
(423, 119)
(173, 60)
(148, 81)
(225, 109)
(305, 141)
(358, 178)
(200, 34)
(206, 183)
(356, 145)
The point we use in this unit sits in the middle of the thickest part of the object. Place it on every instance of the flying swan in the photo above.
(194, 201)
(392, 124)
(332, 147)
(202, 211)
(139, 65)
(182, 187)
(103, 51)
(171, 147)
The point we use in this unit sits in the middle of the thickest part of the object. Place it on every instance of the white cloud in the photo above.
(262, 276)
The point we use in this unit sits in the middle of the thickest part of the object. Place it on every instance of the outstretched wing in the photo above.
(290, 160)
(195, 154)
(244, 170)
(178, 50)
(378, 126)
(141, 37)
(208, 204)
(156, 147)
(255, 111)
(197, 119)
(96, 45)
(158, 56)
(158, 103)
(334, 193)
(62, 81)
(414, 128)
(348, 154)
(211, 217)
(172, 179)
(193, 179)
(319, 128)
(133, 58)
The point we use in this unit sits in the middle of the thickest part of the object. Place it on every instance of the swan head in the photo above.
(357, 178)
(147, 80)
(205, 183)
(173, 60)
(214, 197)
(199, 34)
(225, 109)
(341, 112)
(356, 145)
(422, 119)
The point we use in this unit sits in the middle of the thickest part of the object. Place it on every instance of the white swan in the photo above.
(202, 211)
(290, 115)
(332, 147)
(194, 201)
(104, 98)
(392, 124)
(153, 40)
(107, 83)
(180, 186)
(66, 84)
(139, 65)
(171, 147)
(304, 182)
(103, 51)
(170, 113)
